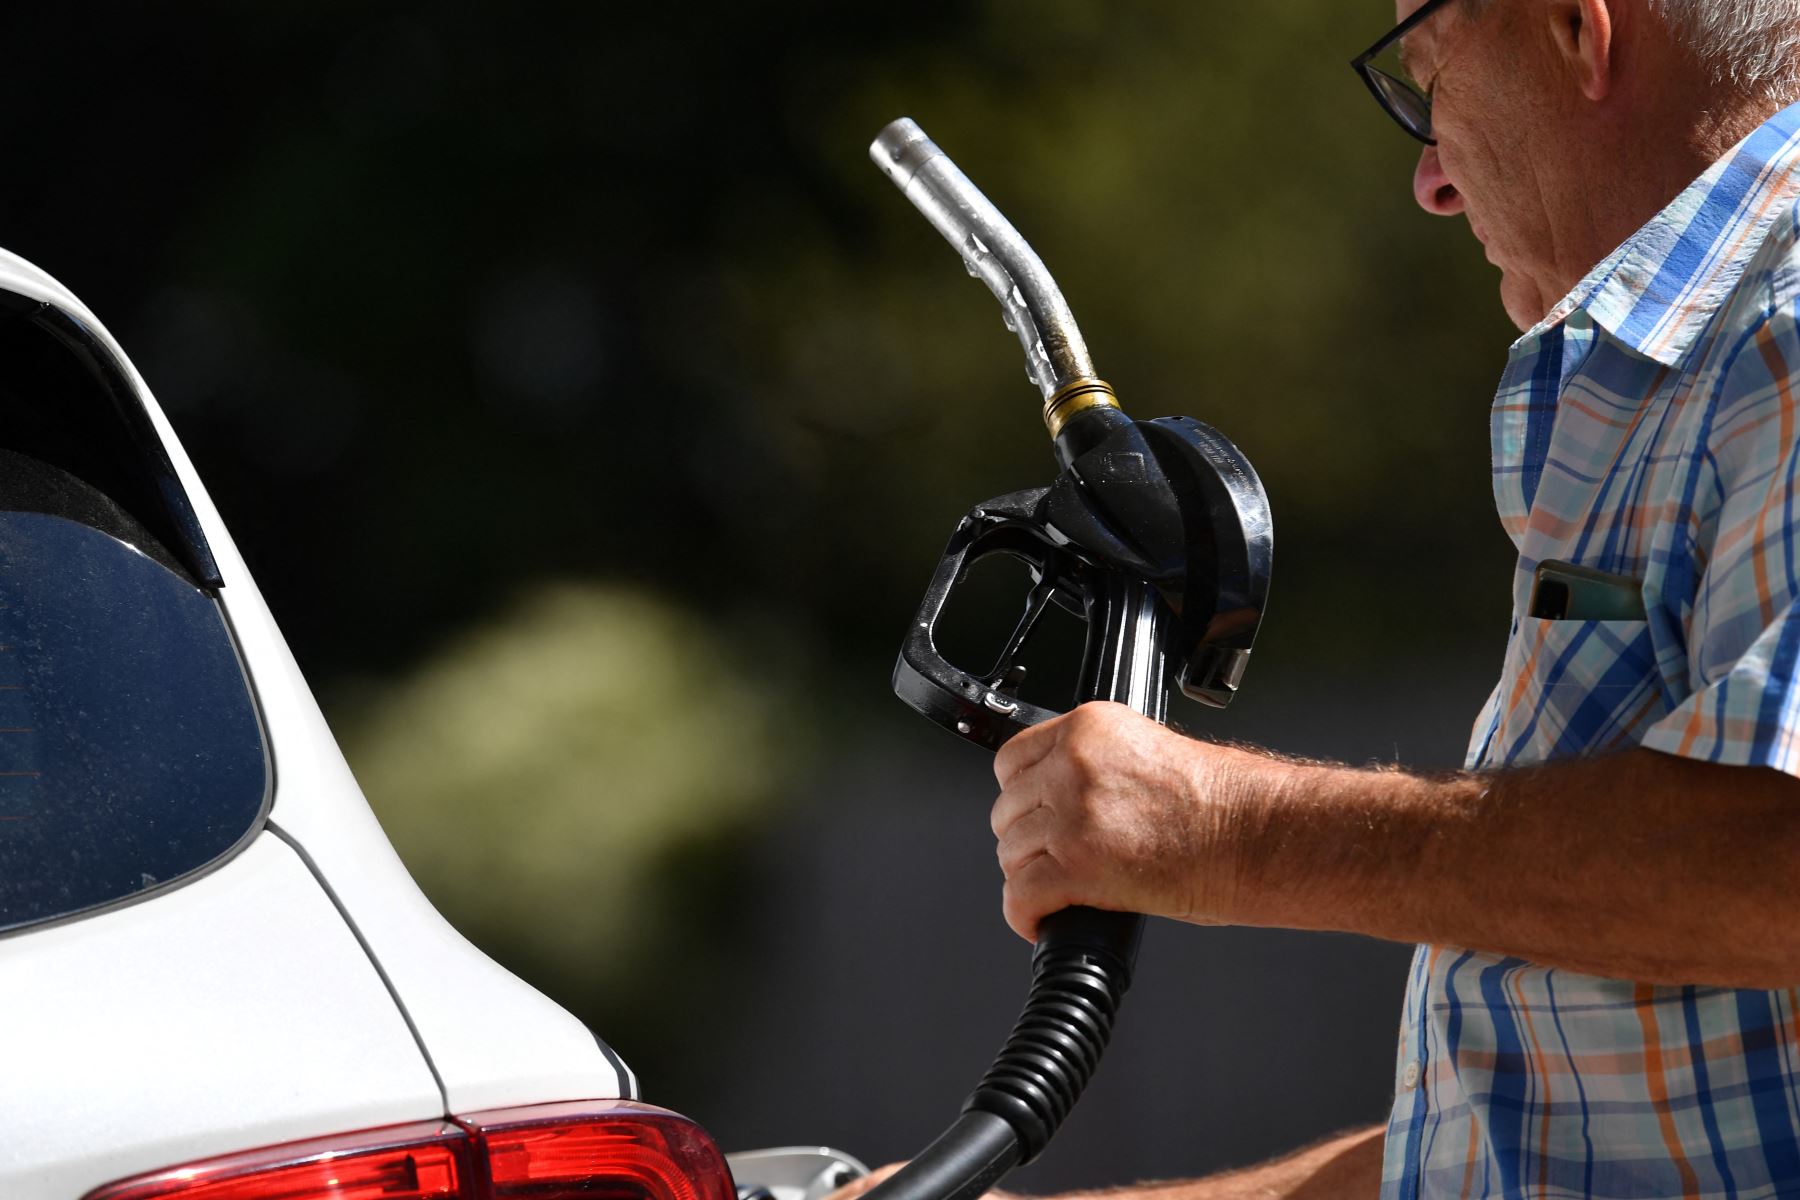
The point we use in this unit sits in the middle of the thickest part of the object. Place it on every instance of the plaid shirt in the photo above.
(1646, 427)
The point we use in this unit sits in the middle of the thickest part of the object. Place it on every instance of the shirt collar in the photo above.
(1658, 290)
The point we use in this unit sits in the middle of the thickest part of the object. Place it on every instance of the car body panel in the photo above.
(495, 1040)
(192, 1024)
(286, 1028)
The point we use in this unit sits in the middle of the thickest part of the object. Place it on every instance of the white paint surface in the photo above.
(237, 1011)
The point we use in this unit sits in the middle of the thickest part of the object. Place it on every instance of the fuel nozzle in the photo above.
(1167, 503)
(1157, 534)
(1080, 408)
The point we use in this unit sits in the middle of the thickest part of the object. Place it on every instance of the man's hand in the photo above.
(1104, 807)
(856, 1187)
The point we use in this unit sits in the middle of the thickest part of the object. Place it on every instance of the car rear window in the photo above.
(132, 755)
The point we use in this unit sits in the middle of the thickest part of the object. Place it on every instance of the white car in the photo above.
(217, 980)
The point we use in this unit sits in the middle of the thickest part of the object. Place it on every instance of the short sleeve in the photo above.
(1743, 630)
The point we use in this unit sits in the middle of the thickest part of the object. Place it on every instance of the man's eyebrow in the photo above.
(1408, 58)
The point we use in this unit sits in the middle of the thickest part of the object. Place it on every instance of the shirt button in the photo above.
(1409, 1078)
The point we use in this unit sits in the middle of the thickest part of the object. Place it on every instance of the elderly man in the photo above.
(1606, 997)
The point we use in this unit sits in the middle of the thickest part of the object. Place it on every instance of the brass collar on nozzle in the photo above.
(1074, 397)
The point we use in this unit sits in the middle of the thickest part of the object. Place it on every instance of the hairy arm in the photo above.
(1637, 865)
(1340, 1168)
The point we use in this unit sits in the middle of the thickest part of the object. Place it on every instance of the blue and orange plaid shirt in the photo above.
(1647, 427)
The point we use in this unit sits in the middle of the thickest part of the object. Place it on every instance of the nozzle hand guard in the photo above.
(1168, 502)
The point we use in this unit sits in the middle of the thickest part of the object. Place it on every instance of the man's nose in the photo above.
(1433, 189)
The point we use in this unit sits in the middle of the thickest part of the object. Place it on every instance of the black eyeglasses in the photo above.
(1399, 97)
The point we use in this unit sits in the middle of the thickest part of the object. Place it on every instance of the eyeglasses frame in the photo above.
(1360, 64)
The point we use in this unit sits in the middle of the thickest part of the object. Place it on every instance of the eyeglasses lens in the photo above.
(1410, 108)
(1398, 91)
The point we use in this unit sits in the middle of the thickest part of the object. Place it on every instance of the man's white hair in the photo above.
(1751, 45)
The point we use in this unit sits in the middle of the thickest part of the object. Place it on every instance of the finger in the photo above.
(1025, 749)
(1025, 839)
(1039, 785)
(1026, 795)
(1037, 889)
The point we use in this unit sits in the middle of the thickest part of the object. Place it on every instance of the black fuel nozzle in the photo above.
(1169, 503)
(1156, 532)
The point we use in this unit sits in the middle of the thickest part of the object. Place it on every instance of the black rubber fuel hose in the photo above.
(1080, 972)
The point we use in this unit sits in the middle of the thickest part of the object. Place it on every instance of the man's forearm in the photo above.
(1640, 865)
(1345, 1167)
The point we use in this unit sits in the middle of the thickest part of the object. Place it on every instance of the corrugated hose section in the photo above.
(1077, 985)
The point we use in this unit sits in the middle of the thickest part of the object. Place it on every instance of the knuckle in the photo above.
(1084, 757)
(1008, 856)
(1085, 747)
(1086, 717)
(1072, 853)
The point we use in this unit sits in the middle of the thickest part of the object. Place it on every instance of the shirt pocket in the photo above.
(1574, 688)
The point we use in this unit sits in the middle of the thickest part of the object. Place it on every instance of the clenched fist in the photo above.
(1104, 807)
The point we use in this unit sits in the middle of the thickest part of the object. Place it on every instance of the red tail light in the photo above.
(555, 1151)
(402, 1162)
(594, 1150)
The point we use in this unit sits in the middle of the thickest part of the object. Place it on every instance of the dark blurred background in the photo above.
(592, 413)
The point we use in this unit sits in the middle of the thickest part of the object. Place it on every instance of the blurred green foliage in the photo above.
(542, 769)
(454, 302)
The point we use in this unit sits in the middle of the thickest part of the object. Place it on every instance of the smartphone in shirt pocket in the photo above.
(1563, 591)
(1580, 675)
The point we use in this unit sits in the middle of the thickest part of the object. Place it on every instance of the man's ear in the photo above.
(1582, 31)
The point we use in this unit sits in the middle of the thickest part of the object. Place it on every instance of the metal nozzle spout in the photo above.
(1055, 354)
